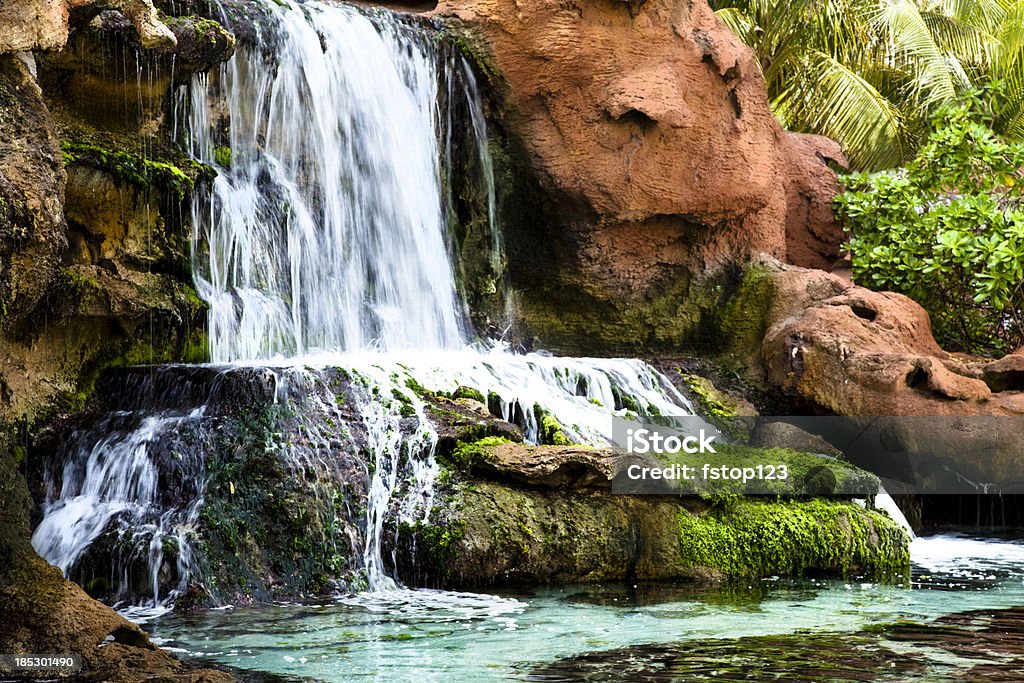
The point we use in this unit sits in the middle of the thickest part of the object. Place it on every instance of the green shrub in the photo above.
(948, 231)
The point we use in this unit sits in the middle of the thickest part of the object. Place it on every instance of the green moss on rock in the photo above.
(761, 538)
(803, 473)
(466, 454)
(136, 171)
(470, 393)
(222, 155)
(744, 318)
(551, 432)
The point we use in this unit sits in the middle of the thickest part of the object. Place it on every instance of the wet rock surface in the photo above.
(514, 513)
(982, 645)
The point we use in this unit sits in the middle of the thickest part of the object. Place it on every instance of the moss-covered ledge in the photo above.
(511, 513)
(754, 537)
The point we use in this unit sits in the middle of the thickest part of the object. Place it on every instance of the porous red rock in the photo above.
(657, 158)
(852, 351)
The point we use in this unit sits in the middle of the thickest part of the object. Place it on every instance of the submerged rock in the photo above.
(982, 645)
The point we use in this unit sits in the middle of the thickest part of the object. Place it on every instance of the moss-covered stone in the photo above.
(551, 432)
(467, 454)
(750, 538)
(784, 472)
(138, 172)
(512, 533)
(470, 393)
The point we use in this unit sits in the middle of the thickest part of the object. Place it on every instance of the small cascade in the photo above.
(883, 501)
(106, 484)
(127, 498)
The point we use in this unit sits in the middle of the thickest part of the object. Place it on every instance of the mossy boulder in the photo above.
(529, 514)
(754, 538)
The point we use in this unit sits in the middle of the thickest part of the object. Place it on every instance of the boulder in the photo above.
(531, 514)
(944, 423)
(851, 351)
(658, 166)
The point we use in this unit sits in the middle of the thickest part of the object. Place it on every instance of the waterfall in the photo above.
(324, 251)
(326, 227)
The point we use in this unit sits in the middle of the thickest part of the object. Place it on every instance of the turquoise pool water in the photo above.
(858, 630)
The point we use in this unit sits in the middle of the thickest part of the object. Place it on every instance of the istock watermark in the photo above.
(819, 455)
(644, 440)
(687, 455)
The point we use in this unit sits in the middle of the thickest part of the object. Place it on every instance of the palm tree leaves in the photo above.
(868, 72)
(844, 106)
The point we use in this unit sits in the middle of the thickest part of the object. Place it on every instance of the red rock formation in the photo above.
(852, 351)
(659, 161)
(813, 235)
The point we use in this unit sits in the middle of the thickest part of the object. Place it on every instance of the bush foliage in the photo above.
(948, 231)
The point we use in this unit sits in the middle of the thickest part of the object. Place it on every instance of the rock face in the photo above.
(91, 205)
(813, 235)
(31, 192)
(44, 24)
(657, 161)
(838, 348)
(33, 25)
(83, 275)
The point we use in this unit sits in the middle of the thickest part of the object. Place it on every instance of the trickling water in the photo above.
(126, 491)
(111, 481)
(883, 501)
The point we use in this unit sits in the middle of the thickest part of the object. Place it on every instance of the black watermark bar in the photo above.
(52, 665)
(811, 455)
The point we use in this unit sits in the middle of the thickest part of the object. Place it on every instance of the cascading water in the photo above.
(324, 247)
(327, 229)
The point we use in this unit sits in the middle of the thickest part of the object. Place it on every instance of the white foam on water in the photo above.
(965, 557)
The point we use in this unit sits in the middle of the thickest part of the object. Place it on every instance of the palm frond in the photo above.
(834, 100)
(913, 40)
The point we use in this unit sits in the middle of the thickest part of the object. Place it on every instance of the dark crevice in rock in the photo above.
(864, 312)
(131, 637)
(734, 100)
(637, 117)
(1005, 381)
(920, 379)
